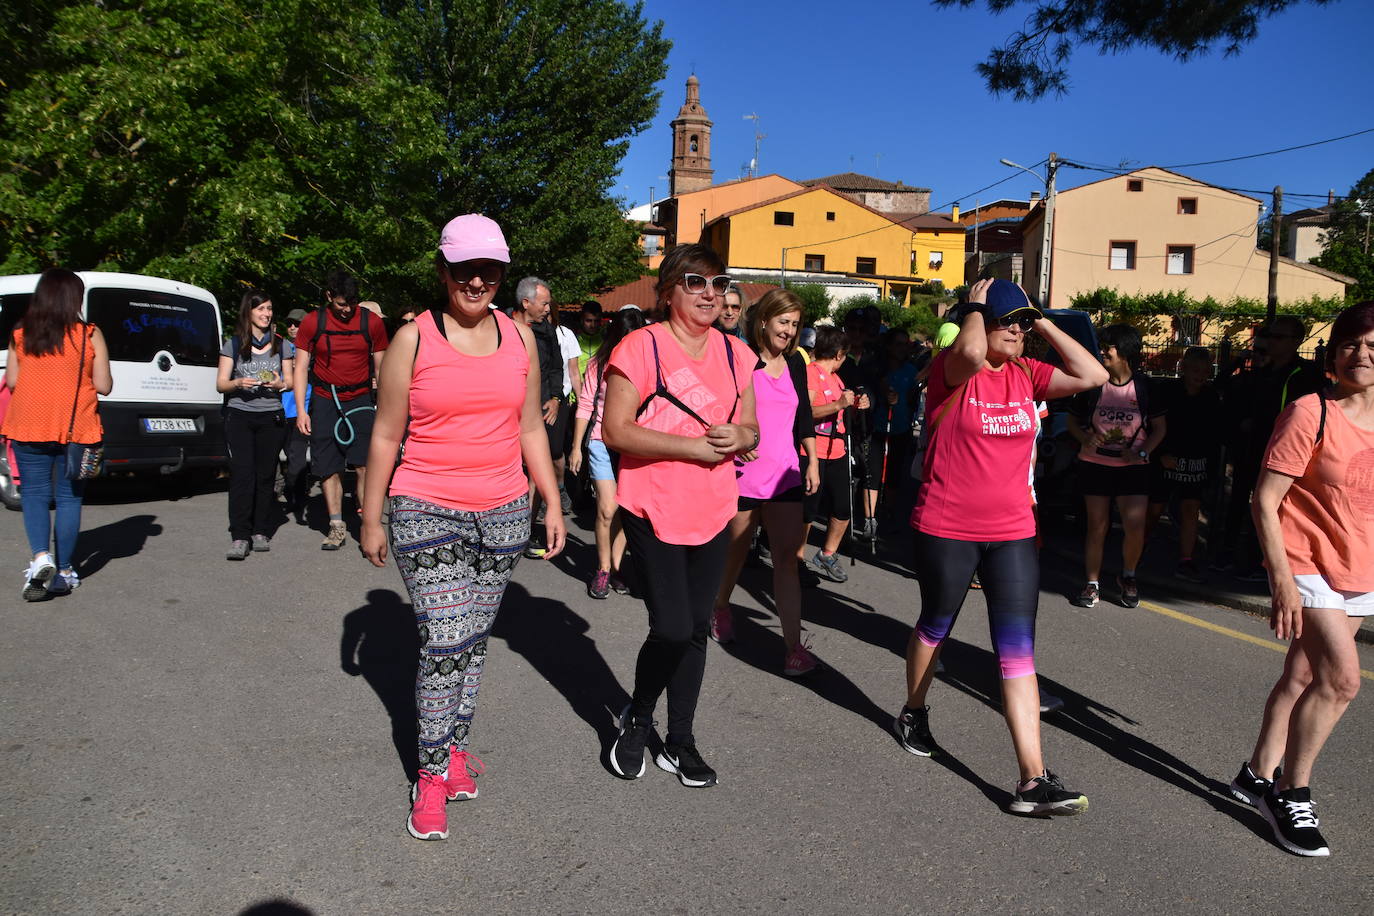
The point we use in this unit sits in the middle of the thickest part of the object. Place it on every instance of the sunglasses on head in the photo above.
(696, 283)
(464, 271)
(1024, 320)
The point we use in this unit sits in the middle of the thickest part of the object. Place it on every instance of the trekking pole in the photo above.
(882, 483)
(849, 489)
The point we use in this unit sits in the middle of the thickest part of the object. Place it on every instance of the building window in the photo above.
(782, 218)
(830, 216)
(1187, 206)
(867, 266)
(815, 262)
(1123, 256)
(1180, 259)
(1135, 184)
(937, 260)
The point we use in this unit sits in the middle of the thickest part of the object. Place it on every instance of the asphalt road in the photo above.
(187, 735)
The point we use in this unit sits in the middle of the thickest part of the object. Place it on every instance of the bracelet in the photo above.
(757, 437)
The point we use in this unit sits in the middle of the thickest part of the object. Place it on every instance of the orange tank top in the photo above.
(41, 408)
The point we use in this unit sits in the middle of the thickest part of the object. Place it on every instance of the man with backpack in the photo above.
(340, 349)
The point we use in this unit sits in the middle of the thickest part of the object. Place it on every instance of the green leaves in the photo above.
(1350, 241)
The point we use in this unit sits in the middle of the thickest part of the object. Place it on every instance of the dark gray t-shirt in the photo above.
(264, 366)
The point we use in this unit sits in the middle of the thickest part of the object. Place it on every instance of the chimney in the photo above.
(1035, 195)
(1330, 197)
(954, 213)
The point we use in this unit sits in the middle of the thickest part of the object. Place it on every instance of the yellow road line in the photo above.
(1226, 631)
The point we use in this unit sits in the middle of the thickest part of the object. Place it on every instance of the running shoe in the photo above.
(722, 625)
(428, 820)
(617, 584)
(534, 551)
(238, 550)
(1045, 796)
(69, 578)
(1130, 591)
(866, 530)
(828, 566)
(975, 583)
(1294, 820)
(1189, 571)
(1249, 788)
(37, 577)
(912, 728)
(799, 661)
(335, 539)
(684, 761)
(765, 556)
(600, 585)
(564, 500)
(462, 767)
(1087, 597)
(627, 753)
(59, 585)
(261, 543)
(1049, 702)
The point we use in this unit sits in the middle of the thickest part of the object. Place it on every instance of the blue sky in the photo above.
(893, 86)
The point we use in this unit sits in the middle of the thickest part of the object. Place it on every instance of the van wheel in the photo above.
(9, 493)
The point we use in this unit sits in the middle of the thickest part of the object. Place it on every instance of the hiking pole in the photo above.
(882, 483)
(849, 489)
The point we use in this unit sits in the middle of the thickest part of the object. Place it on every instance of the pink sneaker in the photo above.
(722, 625)
(462, 766)
(799, 661)
(428, 820)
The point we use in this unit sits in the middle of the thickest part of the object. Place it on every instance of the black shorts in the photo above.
(897, 459)
(1189, 481)
(793, 495)
(1101, 480)
(558, 432)
(831, 499)
(336, 445)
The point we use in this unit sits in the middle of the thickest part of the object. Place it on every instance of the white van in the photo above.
(164, 339)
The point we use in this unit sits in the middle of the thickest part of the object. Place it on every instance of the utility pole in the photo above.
(1272, 308)
(1047, 231)
(977, 218)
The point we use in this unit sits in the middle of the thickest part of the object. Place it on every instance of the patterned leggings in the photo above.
(455, 565)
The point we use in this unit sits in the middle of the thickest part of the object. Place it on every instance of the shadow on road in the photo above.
(119, 540)
(381, 643)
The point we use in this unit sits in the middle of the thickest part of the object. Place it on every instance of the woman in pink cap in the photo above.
(458, 501)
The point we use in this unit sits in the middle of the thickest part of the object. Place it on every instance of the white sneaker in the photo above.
(37, 577)
(64, 582)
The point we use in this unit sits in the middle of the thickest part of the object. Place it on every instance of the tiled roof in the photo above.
(641, 293)
(853, 181)
(929, 221)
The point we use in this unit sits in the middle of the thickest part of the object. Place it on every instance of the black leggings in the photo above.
(1010, 574)
(254, 438)
(679, 585)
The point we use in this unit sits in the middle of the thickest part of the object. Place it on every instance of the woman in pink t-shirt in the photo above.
(772, 484)
(461, 390)
(1314, 510)
(974, 515)
(679, 407)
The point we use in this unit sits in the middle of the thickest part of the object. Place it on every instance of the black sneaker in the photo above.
(627, 753)
(1294, 820)
(912, 729)
(684, 760)
(1249, 788)
(1087, 597)
(1130, 591)
(1047, 797)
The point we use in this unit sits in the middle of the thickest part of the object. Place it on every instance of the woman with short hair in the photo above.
(1314, 510)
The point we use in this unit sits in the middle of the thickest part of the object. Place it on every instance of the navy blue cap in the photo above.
(1005, 297)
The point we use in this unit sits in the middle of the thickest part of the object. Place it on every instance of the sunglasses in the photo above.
(696, 283)
(1025, 322)
(464, 271)
(731, 306)
(292, 324)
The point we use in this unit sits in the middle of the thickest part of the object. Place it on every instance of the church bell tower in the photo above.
(691, 168)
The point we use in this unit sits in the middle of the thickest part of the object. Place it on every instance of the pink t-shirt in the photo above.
(1327, 516)
(777, 468)
(1119, 419)
(592, 396)
(686, 502)
(463, 448)
(975, 473)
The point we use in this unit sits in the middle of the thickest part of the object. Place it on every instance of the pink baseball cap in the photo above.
(472, 236)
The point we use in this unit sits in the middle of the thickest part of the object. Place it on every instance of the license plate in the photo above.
(169, 424)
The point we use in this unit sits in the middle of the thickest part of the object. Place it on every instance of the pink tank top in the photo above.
(463, 448)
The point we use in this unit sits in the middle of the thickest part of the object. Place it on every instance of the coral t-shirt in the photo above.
(826, 388)
(1327, 516)
(975, 472)
(686, 502)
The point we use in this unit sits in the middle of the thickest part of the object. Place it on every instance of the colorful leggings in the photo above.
(455, 565)
(1010, 574)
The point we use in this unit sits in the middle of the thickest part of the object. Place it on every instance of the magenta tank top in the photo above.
(778, 467)
(463, 447)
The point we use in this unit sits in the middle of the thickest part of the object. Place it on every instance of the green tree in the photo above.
(234, 142)
(1350, 240)
(1034, 60)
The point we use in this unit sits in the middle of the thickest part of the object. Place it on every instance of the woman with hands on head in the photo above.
(467, 376)
(1314, 511)
(974, 515)
(679, 408)
(255, 367)
(770, 478)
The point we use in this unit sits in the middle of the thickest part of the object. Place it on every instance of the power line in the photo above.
(1191, 183)
(1272, 152)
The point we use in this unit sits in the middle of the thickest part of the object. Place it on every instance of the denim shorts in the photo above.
(599, 460)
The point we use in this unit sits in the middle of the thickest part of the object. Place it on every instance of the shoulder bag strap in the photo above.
(80, 367)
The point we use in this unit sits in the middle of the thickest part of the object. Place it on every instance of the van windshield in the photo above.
(12, 308)
(138, 324)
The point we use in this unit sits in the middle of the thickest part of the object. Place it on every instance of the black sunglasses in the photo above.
(464, 271)
(1025, 321)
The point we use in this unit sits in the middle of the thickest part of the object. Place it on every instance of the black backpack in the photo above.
(321, 330)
